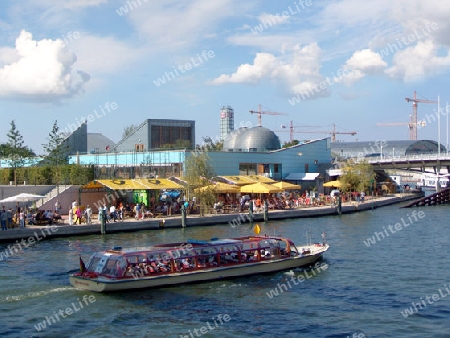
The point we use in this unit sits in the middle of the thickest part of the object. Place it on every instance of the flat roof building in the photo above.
(384, 148)
(157, 134)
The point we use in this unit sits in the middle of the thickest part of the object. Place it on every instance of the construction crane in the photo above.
(410, 125)
(292, 129)
(333, 133)
(260, 112)
(415, 100)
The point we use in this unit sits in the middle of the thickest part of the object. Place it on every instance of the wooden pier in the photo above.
(442, 197)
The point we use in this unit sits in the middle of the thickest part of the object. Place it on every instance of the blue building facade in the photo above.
(309, 157)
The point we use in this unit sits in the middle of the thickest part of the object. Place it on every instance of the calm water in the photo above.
(362, 292)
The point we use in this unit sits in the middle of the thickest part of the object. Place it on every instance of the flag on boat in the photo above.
(257, 229)
(82, 266)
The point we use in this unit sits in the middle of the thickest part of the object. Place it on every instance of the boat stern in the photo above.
(89, 284)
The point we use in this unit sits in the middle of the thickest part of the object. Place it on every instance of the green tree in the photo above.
(57, 150)
(198, 173)
(357, 176)
(290, 144)
(15, 150)
(128, 130)
(179, 144)
(209, 145)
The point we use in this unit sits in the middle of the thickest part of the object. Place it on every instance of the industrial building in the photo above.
(384, 149)
(157, 134)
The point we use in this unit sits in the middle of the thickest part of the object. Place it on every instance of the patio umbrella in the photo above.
(260, 188)
(287, 186)
(333, 184)
(220, 188)
(23, 197)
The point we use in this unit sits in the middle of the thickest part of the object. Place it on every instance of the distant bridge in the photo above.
(418, 163)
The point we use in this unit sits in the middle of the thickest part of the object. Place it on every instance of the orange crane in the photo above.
(410, 125)
(333, 133)
(415, 100)
(292, 129)
(260, 112)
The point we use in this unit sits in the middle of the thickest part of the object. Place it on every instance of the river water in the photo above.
(362, 292)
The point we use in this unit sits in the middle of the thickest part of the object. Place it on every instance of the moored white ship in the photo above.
(430, 181)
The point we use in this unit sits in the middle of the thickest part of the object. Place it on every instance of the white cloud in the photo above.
(8, 55)
(82, 3)
(270, 19)
(297, 69)
(70, 4)
(103, 55)
(416, 62)
(174, 24)
(362, 63)
(43, 69)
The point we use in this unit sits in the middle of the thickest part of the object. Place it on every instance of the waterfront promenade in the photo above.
(38, 233)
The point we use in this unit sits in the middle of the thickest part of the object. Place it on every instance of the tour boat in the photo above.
(192, 261)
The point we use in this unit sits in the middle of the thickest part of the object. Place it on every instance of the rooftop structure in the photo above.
(255, 139)
(226, 122)
(159, 133)
(380, 148)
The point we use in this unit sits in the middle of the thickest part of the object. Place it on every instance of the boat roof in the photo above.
(193, 242)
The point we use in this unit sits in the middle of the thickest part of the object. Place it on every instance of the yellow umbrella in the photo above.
(220, 188)
(333, 184)
(260, 188)
(287, 186)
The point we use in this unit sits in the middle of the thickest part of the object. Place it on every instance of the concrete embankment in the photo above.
(32, 234)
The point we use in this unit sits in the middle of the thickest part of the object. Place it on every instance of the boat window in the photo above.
(95, 258)
(228, 248)
(206, 251)
(114, 266)
(182, 253)
(249, 246)
(183, 264)
(133, 259)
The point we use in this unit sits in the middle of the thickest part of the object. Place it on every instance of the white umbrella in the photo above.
(23, 197)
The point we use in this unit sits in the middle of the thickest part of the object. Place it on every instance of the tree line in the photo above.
(52, 169)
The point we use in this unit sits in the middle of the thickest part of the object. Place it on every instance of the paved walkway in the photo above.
(234, 219)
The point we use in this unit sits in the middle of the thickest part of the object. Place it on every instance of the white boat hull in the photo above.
(102, 284)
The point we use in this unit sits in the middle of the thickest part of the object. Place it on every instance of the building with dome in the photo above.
(255, 139)
(246, 151)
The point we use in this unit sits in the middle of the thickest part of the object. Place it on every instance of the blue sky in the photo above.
(351, 63)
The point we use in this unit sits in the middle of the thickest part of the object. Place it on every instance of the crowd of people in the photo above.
(26, 216)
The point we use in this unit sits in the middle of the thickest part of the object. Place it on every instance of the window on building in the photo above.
(247, 168)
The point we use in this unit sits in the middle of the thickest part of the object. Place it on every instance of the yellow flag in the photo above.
(257, 229)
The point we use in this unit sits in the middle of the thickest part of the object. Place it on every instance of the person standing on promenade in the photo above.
(88, 214)
(9, 215)
(58, 207)
(78, 212)
(3, 218)
(70, 216)
(22, 219)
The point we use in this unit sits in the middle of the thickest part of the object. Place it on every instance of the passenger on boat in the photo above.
(212, 261)
(162, 267)
(119, 269)
(185, 264)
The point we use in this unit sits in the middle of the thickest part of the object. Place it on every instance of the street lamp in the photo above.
(381, 152)
(393, 153)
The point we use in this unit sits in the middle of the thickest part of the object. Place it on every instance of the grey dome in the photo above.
(252, 139)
